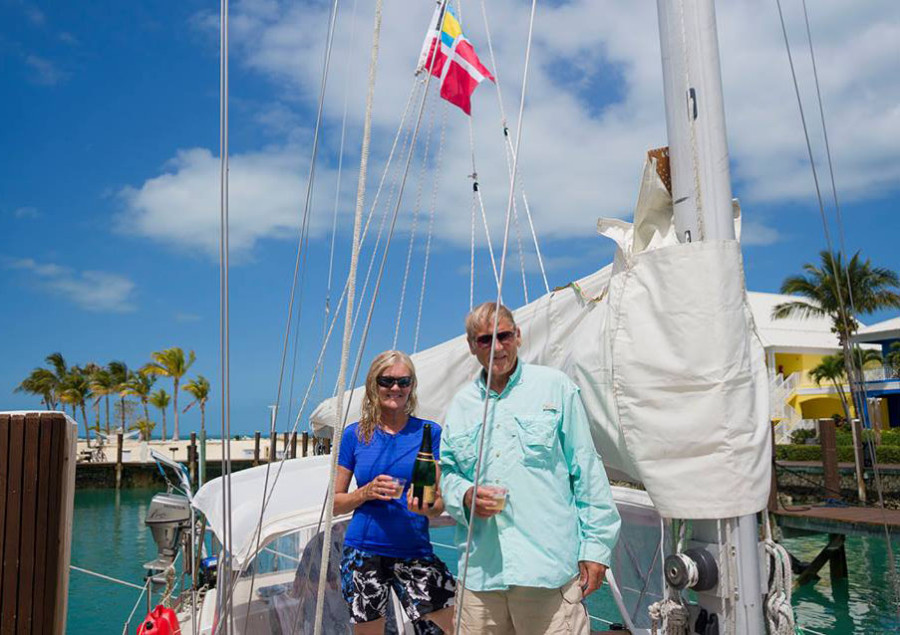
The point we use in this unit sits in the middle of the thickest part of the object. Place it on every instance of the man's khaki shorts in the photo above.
(525, 611)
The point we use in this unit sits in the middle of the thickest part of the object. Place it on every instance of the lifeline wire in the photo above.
(487, 393)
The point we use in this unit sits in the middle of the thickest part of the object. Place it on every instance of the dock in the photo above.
(823, 519)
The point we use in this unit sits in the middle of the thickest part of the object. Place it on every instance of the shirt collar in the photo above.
(514, 379)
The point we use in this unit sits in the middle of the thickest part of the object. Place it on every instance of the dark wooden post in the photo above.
(119, 440)
(192, 457)
(304, 443)
(293, 445)
(272, 443)
(286, 440)
(327, 445)
(828, 439)
(773, 488)
(255, 449)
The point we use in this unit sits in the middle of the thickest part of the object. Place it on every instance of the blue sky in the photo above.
(108, 191)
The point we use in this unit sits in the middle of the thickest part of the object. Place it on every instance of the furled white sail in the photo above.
(663, 346)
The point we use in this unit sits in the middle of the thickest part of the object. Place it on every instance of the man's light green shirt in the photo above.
(538, 445)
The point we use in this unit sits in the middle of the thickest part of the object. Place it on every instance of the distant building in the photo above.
(794, 346)
(883, 383)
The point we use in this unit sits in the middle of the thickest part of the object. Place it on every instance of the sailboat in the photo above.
(663, 346)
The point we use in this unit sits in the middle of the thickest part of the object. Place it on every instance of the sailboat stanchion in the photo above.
(702, 200)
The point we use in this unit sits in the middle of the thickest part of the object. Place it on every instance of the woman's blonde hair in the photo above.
(370, 410)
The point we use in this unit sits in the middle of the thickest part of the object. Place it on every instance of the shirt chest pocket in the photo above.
(538, 435)
(465, 449)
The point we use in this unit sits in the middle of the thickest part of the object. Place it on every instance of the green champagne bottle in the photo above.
(424, 474)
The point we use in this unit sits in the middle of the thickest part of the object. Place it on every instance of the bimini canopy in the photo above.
(295, 503)
(663, 346)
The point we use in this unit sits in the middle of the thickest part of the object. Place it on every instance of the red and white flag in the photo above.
(450, 56)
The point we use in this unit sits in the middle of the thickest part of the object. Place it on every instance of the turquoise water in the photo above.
(110, 537)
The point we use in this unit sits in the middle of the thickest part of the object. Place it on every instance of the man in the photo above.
(532, 563)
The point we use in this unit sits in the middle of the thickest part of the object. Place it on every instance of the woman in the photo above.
(387, 543)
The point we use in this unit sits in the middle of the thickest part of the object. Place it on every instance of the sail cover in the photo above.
(664, 349)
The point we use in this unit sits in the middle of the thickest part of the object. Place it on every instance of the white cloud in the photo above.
(44, 71)
(99, 291)
(757, 234)
(594, 106)
(26, 212)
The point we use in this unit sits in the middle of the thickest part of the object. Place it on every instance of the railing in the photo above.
(784, 429)
(884, 373)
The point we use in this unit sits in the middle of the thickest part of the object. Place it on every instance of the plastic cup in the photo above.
(399, 485)
(499, 494)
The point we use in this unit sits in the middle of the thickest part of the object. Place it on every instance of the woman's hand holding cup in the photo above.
(382, 487)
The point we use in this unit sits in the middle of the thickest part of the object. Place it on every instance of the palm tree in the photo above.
(170, 362)
(833, 290)
(139, 385)
(199, 389)
(160, 399)
(831, 369)
(118, 378)
(76, 391)
(46, 382)
(145, 426)
(41, 382)
(826, 292)
(103, 385)
(892, 359)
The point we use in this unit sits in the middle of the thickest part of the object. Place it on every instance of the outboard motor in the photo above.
(168, 518)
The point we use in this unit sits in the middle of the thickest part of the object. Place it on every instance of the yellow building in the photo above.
(794, 346)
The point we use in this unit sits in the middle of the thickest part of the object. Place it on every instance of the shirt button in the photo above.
(498, 454)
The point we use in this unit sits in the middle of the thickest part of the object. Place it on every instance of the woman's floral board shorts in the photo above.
(423, 585)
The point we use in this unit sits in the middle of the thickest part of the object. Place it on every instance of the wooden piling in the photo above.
(304, 443)
(286, 438)
(119, 443)
(37, 476)
(293, 445)
(773, 487)
(273, 442)
(326, 443)
(828, 439)
(255, 449)
(192, 457)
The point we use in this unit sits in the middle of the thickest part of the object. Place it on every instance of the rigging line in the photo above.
(508, 143)
(487, 392)
(856, 370)
(302, 249)
(434, 191)
(476, 189)
(845, 345)
(348, 317)
(320, 361)
(472, 259)
(337, 188)
(329, 499)
(415, 219)
(108, 578)
(225, 608)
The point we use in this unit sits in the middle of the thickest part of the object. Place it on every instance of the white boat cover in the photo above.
(663, 346)
(295, 503)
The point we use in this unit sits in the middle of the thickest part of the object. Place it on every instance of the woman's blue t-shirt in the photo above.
(387, 528)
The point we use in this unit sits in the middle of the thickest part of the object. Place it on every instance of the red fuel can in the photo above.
(160, 621)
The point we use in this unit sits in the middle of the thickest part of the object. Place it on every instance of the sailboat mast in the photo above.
(701, 194)
(695, 120)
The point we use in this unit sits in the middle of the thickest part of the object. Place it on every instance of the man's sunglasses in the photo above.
(386, 382)
(484, 341)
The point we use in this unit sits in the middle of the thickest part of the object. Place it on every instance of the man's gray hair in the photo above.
(483, 315)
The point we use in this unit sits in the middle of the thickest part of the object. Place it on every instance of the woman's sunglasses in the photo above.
(484, 341)
(386, 382)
